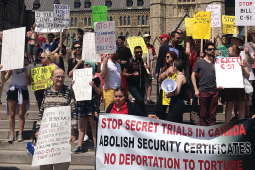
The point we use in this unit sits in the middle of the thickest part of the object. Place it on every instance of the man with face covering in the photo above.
(134, 71)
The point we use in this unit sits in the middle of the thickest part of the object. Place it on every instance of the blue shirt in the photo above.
(175, 49)
(53, 46)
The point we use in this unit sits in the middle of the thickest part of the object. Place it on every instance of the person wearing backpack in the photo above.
(135, 72)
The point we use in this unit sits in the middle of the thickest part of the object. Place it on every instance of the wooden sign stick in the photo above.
(246, 39)
(60, 40)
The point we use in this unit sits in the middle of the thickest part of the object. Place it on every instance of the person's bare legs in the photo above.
(82, 125)
(149, 91)
(241, 109)
(86, 126)
(93, 128)
(12, 104)
(228, 112)
(34, 59)
(30, 56)
(22, 109)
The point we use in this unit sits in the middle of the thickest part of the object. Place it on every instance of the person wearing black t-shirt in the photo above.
(75, 63)
(134, 71)
(124, 54)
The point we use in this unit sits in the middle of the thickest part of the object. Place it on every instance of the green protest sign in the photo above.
(99, 14)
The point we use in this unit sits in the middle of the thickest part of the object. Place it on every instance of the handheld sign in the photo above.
(61, 16)
(82, 89)
(13, 47)
(44, 22)
(189, 26)
(137, 41)
(229, 24)
(244, 13)
(89, 47)
(228, 72)
(105, 37)
(53, 146)
(202, 25)
(41, 77)
(215, 15)
(99, 14)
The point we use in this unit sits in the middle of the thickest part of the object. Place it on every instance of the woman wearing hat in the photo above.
(88, 108)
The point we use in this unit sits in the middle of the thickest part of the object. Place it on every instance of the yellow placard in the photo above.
(41, 77)
(228, 20)
(229, 29)
(137, 41)
(202, 25)
(165, 100)
(189, 26)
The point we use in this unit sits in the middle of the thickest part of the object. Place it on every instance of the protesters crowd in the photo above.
(122, 75)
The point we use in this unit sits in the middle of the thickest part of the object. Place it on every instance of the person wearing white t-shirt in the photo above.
(111, 68)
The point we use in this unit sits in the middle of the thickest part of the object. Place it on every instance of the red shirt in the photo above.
(123, 110)
(149, 46)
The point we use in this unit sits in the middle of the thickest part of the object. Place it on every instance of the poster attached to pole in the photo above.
(202, 25)
(105, 37)
(13, 47)
(189, 26)
(229, 24)
(61, 16)
(89, 47)
(52, 145)
(44, 22)
(137, 41)
(82, 89)
(215, 14)
(99, 14)
(244, 13)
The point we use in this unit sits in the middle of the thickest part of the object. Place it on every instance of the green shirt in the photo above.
(224, 49)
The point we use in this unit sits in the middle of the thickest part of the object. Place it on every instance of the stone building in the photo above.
(12, 13)
(132, 17)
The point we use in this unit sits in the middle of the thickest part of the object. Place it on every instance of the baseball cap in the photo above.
(146, 35)
(165, 36)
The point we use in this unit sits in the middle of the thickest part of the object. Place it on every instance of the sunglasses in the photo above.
(86, 65)
(168, 56)
(77, 48)
(210, 49)
(137, 52)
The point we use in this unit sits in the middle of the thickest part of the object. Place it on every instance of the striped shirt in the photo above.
(63, 97)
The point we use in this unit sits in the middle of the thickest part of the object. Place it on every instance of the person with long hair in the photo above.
(235, 96)
(17, 97)
(86, 109)
(177, 105)
(166, 72)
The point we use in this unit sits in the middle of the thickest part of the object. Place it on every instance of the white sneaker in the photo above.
(86, 138)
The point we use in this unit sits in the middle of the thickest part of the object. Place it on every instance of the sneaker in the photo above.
(86, 138)
(78, 149)
(20, 139)
(11, 138)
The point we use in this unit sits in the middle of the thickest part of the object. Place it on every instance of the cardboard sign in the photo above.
(244, 12)
(228, 72)
(137, 41)
(52, 145)
(139, 143)
(215, 15)
(202, 25)
(189, 26)
(229, 24)
(99, 14)
(41, 77)
(105, 37)
(82, 89)
(89, 47)
(13, 47)
(44, 22)
(61, 16)
(229, 29)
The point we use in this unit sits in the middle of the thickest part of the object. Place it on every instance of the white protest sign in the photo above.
(244, 12)
(139, 143)
(53, 146)
(13, 46)
(44, 22)
(105, 37)
(82, 89)
(215, 15)
(89, 47)
(61, 16)
(228, 72)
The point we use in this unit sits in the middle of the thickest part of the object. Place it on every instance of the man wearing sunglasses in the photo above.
(134, 71)
(75, 63)
(206, 90)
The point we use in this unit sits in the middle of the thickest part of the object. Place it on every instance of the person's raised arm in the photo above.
(39, 42)
(5, 77)
(70, 74)
(250, 58)
(104, 68)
